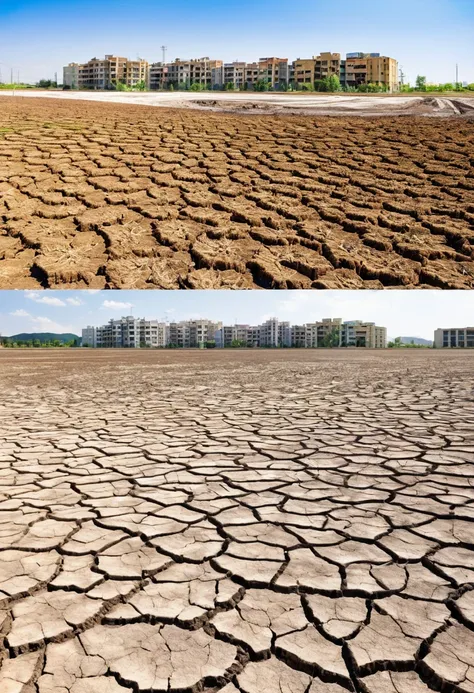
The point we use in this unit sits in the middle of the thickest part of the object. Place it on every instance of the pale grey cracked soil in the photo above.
(287, 522)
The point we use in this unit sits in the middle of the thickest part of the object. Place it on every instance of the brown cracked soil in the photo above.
(95, 195)
(287, 522)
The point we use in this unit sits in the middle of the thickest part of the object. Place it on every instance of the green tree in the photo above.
(141, 86)
(331, 339)
(420, 83)
(334, 83)
(261, 85)
(197, 86)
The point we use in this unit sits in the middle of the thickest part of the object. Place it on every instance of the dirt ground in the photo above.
(240, 522)
(96, 195)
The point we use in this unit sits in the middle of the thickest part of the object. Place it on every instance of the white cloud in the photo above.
(20, 313)
(74, 301)
(116, 305)
(44, 298)
(44, 324)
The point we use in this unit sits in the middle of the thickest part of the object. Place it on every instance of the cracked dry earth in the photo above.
(117, 196)
(280, 522)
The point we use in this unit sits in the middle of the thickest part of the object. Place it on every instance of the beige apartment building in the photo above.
(242, 75)
(71, 76)
(310, 70)
(303, 71)
(105, 73)
(327, 64)
(383, 71)
(183, 73)
(370, 68)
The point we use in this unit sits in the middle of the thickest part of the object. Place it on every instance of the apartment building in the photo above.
(326, 332)
(454, 338)
(326, 65)
(241, 75)
(106, 73)
(356, 333)
(71, 75)
(189, 334)
(127, 333)
(89, 336)
(184, 73)
(304, 70)
(273, 71)
(369, 68)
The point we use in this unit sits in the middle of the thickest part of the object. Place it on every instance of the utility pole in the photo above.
(163, 51)
(56, 78)
(402, 76)
(457, 75)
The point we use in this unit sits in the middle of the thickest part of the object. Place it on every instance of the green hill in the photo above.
(42, 337)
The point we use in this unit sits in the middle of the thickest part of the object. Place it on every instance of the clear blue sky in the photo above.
(426, 36)
(404, 313)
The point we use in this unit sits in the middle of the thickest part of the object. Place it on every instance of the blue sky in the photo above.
(404, 313)
(427, 36)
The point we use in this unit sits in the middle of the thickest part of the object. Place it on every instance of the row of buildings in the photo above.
(276, 73)
(135, 333)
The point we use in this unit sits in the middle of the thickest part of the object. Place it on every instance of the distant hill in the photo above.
(416, 340)
(42, 337)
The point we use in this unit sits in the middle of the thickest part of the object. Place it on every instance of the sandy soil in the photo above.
(246, 521)
(280, 103)
(113, 196)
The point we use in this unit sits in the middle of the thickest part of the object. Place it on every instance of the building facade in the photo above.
(134, 333)
(71, 75)
(454, 338)
(106, 73)
(369, 68)
(183, 73)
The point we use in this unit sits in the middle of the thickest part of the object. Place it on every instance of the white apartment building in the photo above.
(190, 334)
(127, 333)
(454, 338)
(89, 336)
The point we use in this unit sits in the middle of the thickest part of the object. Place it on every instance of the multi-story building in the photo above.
(127, 332)
(326, 65)
(303, 71)
(274, 333)
(326, 332)
(184, 73)
(273, 71)
(356, 333)
(89, 336)
(189, 334)
(454, 338)
(106, 73)
(71, 75)
(369, 68)
(228, 335)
